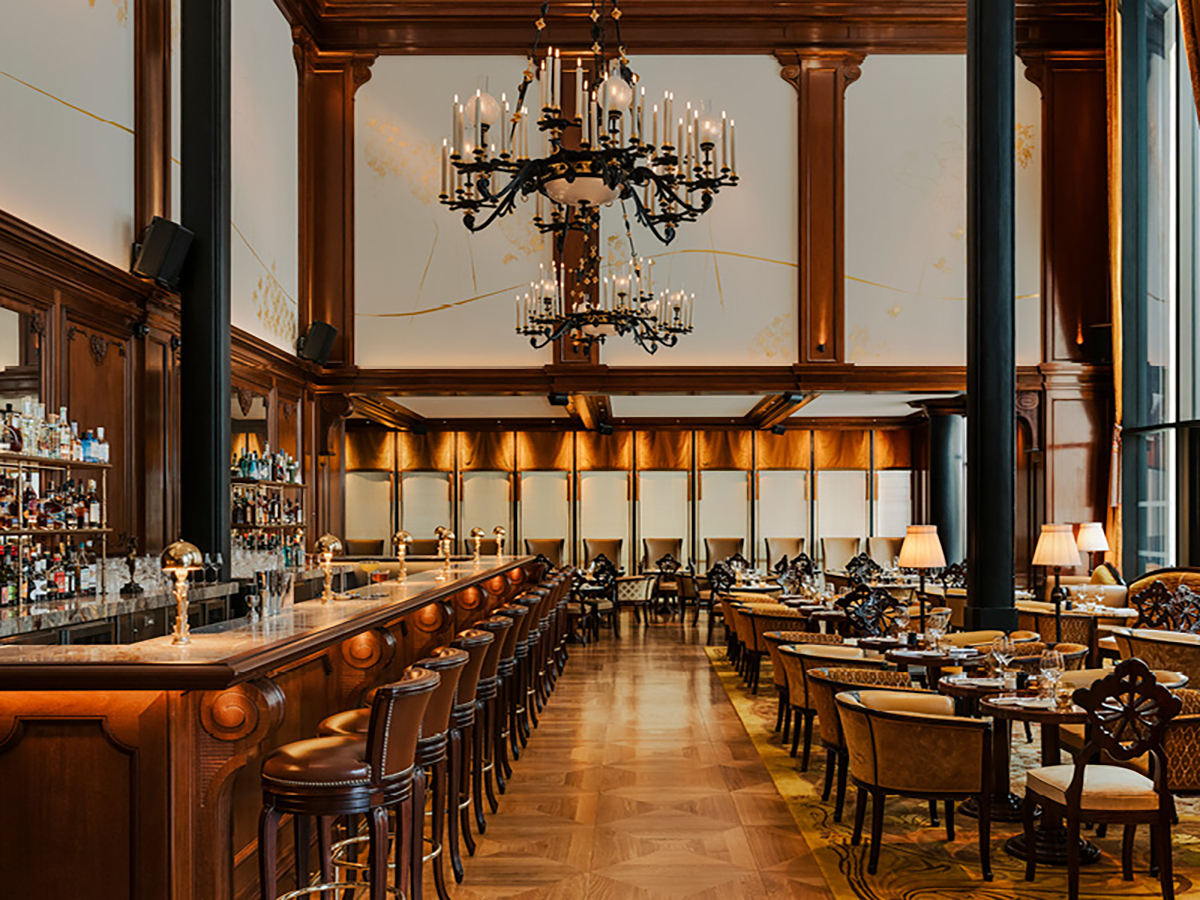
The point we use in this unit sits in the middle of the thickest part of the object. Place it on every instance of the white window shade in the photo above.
(842, 504)
(893, 502)
(425, 502)
(369, 506)
(724, 507)
(485, 502)
(545, 509)
(663, 510)
(604, 511)
(782, 508)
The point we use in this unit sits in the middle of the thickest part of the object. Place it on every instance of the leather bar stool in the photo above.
(344, 775)
(488, 693)
(434, 767)
(512, 692)
(468, 733)
(526, 663)
(545, 648)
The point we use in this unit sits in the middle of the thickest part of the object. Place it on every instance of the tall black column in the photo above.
(991, 370)
(947, 477)
(204, 357)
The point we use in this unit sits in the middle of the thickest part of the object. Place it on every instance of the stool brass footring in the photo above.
(332, 886)
(434, 853)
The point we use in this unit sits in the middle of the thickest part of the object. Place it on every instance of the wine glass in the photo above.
(902, 618)
(935, 627)
(1051, 667)
(369, 566)
(1003, 652)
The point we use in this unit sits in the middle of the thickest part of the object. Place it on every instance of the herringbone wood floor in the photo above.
(640, 783)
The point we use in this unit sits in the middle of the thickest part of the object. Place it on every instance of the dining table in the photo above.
(933, 661)
(1050, 837)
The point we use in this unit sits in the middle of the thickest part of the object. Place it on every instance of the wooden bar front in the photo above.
(131, 772)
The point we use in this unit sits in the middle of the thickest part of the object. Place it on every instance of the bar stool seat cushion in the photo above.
(1104, 787)
(339, 761)
(347, 722)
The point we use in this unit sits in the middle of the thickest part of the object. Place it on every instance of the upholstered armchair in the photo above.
(911, 744)
(764, 618)
(657, 548)
(823, 685)
(718, 550)
(797, 659)
(779, 547)
(837, 551)
(1170, 650)
(551, 548)
(774, 640)
(884, 550)
(596, 547)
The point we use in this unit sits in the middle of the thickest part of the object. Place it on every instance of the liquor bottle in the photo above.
(10, 440)
(102, 449)
(63, 434)
(76, 443)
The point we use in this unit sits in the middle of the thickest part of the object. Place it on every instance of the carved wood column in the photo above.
(1075, 277)
(328, 82)
(820, 77)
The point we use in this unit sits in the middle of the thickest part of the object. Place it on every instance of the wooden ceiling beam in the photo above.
(590, 409)
(387, 412)
(772, 411)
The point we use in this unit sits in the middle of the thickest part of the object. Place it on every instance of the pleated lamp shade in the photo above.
(1056, 547)
(921, 548)
(1091, 538)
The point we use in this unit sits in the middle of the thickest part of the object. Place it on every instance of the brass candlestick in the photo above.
(477, 534)
(181, 558)
(328, 546)
(447, 542)
(401, 539)
(499, 534)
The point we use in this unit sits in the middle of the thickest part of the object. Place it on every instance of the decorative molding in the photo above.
(245, 400)
(249, 710)
(99, 348)
(369, 650)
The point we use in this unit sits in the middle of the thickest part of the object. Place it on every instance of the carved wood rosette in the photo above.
(365, 658)
(820, 78)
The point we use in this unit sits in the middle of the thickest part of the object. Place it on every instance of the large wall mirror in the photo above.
(20, 358)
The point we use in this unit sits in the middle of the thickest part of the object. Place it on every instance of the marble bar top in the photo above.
(237, 650)
(49, 615)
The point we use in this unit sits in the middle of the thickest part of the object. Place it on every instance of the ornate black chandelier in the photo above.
(585, 153)
(626, 304)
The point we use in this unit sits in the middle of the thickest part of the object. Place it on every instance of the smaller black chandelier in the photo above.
(589, 147)
(626, 304)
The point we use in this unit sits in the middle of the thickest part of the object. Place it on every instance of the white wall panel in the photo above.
(842, 504)
(486, 503)
(893, 502)
(782, 507)
(265, 267)
(663, 510)
(66, 122)
(369, 506)
(604, 511)
(424, 502)
(427, 292)
(545, 510)
(906, 213)
(724, 507)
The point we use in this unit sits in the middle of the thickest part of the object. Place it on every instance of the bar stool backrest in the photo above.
(449, 663)
(518, 615)
(476, 643)
(397, 712)
(498, 627)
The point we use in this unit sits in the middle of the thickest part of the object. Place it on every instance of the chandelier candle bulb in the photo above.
(579, 91)
(733, 148)
(724, 143)
(558, 80)
(445, 167)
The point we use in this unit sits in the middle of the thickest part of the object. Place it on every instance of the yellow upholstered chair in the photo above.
(610, 547)
(657, 548)
(779, 547)
(884, 550)
(720, 549)
(551, 548)
(837, 551)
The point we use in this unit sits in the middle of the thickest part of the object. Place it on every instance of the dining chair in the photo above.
(1073, 737)
(765, 617)
(837, 551)
(551, 548)
(655, 549)
(1127, 716)
(823, 685)
(595, 547)
(356, 547)
(1077, 628)
(780, 547)
(884, 550)
(1173, 650)
(424, 547)
(688, 594)
(636, 591)
(717, 550)
(910, 744)
(797, 659)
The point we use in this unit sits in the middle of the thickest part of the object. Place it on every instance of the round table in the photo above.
(1050, 838)
(933, 663)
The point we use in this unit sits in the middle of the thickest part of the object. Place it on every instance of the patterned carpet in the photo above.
(916, 861)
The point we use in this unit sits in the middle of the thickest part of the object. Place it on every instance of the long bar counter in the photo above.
(131, 771)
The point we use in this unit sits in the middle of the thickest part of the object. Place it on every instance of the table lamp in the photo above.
(401, 539)
(477, 535)
(1056, 548)
(1091, 539)
(328, 546)
(182, 558)
(499, 534)
(447, 538)
(922, 550)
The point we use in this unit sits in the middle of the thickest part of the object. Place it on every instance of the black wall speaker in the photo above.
(560, 399)
(161, 251)
(318, 343)
(778, 429)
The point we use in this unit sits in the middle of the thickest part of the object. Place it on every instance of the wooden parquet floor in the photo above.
(641, 782)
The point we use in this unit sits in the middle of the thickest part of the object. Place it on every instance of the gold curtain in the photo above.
(486, 450)
(1189, 13)
(604, 451)
(369, 450)
(790, 450)
(1113, 68)
(664, 450)
(893, 449)
(842, 449)
(433, 452)
(723, 450)
(543, 451)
